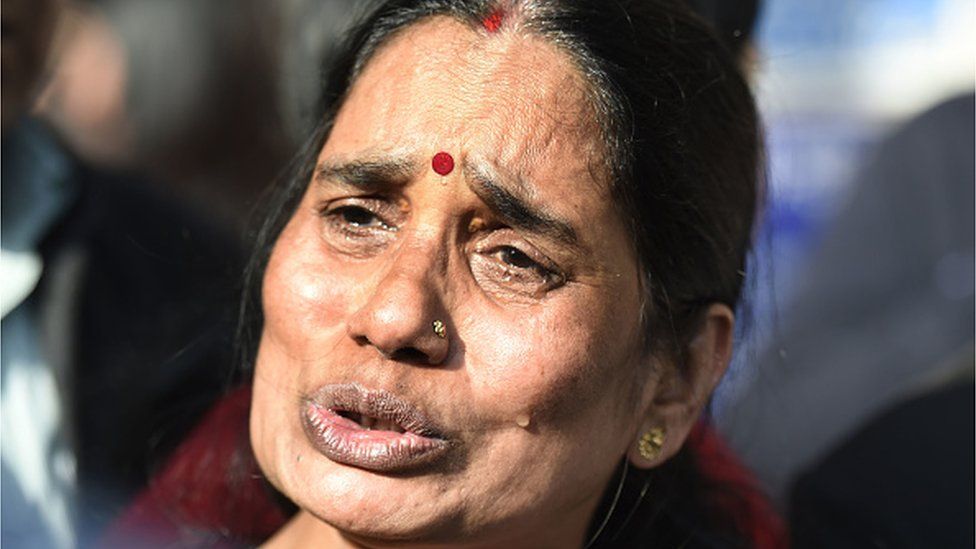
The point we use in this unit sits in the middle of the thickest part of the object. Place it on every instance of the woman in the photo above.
(493, 304)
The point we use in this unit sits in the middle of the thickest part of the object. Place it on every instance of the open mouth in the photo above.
(372, 430)
(371, 423)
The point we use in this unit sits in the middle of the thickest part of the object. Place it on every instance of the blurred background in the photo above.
(851, 395)
(832, 79)
(208, 98)
(214, 95)
(203, 102)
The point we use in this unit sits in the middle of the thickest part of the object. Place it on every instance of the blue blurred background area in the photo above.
(851, 393)
(832, 78)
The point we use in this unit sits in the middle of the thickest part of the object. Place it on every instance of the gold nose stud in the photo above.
(440, 329)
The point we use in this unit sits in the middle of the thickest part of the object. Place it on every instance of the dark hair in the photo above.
(734, 20)
(683, 153)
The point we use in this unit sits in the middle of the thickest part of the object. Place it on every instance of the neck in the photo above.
(305, 530)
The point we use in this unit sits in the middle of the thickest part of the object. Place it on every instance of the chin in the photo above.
(363, 505)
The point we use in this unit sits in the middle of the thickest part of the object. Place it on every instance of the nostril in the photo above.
(410, 355)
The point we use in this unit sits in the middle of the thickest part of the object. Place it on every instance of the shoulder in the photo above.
(904, 480)
(210, 492)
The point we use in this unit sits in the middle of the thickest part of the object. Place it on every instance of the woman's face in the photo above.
(510, 426)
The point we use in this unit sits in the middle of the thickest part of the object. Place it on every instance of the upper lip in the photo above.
(378, 404)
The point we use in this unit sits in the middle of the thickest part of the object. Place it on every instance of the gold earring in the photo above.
(650, 443)
(440, 329)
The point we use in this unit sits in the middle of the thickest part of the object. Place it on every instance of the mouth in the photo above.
(372, 430)
(371, 423)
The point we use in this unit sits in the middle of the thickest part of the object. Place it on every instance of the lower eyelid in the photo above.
(355, 241)
(503, 274)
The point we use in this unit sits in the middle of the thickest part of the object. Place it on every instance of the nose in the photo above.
(398, 317)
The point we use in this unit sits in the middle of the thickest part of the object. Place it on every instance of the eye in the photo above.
(515, 258)
(359, 217)
(519, 271)
(360, 226)
(505, 265)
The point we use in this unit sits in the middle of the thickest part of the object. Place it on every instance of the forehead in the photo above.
(510, 98)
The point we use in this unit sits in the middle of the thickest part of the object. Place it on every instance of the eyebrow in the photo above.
(369, 174)
(504, 198)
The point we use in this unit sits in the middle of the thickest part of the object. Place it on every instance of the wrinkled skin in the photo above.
(539, 324)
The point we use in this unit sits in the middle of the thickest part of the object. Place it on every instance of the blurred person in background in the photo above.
(898, 468)
(182, 91)
(207, 97)
(115, 286)
(867, 395)
(859, 416)
(115, 299)
(309, 32)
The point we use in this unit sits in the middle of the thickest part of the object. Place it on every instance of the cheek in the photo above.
(573, 377)
(303, 304)
(304, 300)
(554, 363)
(268, 405)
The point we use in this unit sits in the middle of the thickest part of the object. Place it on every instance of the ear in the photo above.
(676, 400)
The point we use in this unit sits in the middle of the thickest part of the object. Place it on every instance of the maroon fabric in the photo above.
(211, 492)
(741, 499)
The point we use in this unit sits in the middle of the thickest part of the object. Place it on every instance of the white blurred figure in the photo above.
(38, 472)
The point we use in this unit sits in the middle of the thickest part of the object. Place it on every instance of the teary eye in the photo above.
(360, 226)
(515, 258)
(516, 269)
(357, 216)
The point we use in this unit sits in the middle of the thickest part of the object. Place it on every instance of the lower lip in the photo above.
(345, 441)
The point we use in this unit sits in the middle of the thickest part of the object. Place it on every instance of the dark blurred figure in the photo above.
(906, 479)
(117, 311)
(903, 481)
(869, 392)
(310, 31)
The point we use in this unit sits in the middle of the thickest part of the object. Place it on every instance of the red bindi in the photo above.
(443, 163)
(493, 21)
